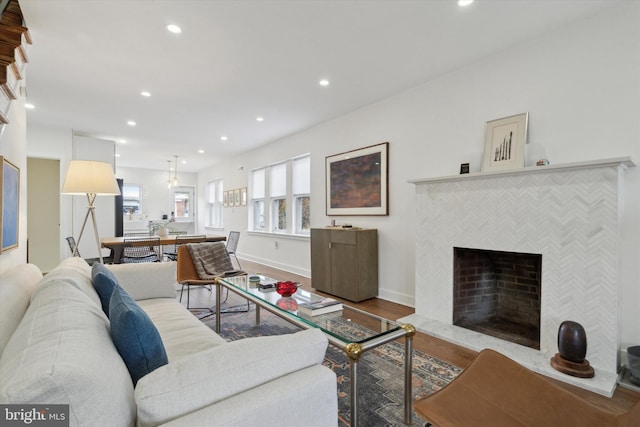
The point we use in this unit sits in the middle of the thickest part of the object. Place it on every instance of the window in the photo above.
(301, 188)
(214, 204)
(278, 193)
(132, 199)
(285, 189)
(258, 214)
(183, 200)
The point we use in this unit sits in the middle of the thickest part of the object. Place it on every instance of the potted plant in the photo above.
(159, 227)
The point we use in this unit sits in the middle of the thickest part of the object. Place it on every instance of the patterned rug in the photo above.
(381, 372)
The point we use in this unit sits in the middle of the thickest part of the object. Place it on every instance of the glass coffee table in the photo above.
(350, 329)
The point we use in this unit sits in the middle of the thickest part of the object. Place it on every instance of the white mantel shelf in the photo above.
(616, 161)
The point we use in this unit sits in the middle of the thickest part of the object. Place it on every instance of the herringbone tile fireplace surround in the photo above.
(569, 214)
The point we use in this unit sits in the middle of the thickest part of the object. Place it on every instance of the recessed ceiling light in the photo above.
(131, 123)
(145, 93)
(122, 141)
(260, 119)
(201, 151)
(117, 155)
(29, 106)
(184, 162)
(324, 82)
(224, 138)
(464, 3)
(174, 29)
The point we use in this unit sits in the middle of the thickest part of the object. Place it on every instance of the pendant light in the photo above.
(175, 173)
(169, 180)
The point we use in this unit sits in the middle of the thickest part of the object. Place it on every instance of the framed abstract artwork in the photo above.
(225, 199)
(504, 143)
(10, 201)
(357, 182)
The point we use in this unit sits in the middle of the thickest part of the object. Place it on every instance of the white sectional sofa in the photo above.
(56, 348)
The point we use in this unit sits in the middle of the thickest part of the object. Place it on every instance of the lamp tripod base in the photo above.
(91, 210)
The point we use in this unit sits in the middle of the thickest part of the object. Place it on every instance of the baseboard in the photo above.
(398, 298)
(284, 267)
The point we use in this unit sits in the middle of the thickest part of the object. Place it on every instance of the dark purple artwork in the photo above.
(356, 182)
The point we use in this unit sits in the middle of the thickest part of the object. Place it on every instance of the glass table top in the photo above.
(349, 324)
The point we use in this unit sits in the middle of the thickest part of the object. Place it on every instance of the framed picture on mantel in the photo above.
(504, 143)
(357, 182)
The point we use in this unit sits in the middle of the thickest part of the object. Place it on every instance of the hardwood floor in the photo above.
(622, 400)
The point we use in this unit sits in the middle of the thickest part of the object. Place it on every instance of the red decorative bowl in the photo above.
(286, 289)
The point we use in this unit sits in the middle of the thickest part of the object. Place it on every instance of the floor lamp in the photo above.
(93, 179)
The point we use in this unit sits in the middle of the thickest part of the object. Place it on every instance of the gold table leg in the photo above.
(354, 351)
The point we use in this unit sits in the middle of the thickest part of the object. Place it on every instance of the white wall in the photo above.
(55, 143)
(581, 88)
(13, 146)
(157, 198)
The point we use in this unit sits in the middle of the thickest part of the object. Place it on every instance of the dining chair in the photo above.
(141, 249)
(71, 241)
(232, 245)
(172, 252)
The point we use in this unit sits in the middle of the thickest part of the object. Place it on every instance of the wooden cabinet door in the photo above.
(344, 270)
(321, 260)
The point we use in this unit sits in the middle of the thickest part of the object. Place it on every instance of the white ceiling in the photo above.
(236, 60)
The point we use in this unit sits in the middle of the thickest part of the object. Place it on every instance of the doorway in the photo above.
(43, 213)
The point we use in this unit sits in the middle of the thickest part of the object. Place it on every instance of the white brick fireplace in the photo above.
(569, 214)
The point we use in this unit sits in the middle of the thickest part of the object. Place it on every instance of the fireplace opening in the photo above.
(498, 294)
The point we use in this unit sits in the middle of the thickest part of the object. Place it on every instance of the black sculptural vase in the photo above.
(572, 341)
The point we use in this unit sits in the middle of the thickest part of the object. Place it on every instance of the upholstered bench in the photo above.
(496, 391)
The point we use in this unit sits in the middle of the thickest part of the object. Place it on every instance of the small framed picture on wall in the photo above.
(225, 199)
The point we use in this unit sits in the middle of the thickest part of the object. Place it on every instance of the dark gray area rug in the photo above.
(381, 371)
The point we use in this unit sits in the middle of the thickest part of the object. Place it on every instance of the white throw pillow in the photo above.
(147, 280)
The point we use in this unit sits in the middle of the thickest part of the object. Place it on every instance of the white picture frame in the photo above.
(504, 143)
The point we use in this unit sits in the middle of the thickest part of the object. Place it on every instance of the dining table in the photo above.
(116, 244)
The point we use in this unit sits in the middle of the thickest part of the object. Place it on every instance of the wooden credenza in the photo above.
(344, 262)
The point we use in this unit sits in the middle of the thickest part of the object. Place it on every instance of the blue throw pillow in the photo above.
(135, 336)
(104, 282)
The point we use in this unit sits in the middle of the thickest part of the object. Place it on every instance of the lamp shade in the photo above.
(89, 176)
